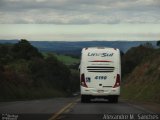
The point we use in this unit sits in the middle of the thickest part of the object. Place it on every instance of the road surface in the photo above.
(67, 109)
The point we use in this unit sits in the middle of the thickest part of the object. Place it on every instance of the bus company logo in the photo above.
(101, 54)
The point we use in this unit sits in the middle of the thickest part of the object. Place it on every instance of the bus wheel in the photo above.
(85, 99)
(113, 99)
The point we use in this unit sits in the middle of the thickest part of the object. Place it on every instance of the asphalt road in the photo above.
(67, 109)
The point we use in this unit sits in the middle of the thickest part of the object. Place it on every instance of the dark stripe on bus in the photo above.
(98, 67)
(100, 71)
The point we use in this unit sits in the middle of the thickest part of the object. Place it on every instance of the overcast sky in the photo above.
(80, 19)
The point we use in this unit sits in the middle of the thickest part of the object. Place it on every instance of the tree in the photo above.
(133, 57)
(24, 50)
(5, 56)
(148, 45)
(158, 43)
(58, 72)
(51, 72)
(1, 73)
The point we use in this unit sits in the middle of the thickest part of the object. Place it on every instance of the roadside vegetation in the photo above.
(141, 74)
(26, 74)
(72, 63)
(67, 59)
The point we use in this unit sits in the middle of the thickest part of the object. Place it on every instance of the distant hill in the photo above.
(74, 48)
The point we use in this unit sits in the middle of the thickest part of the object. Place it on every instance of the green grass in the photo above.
(68, 60)
(147, 91)
(143, 83)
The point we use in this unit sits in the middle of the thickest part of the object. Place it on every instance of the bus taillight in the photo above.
(118, 80)
(83, 83)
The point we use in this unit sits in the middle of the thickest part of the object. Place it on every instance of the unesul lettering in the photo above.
(101, 54)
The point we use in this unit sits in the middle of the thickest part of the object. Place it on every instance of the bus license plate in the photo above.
(100, 91)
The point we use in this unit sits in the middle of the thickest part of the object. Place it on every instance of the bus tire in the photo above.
(85, 99)
(113, 99)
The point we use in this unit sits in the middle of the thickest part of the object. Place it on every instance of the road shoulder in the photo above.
(153, 107)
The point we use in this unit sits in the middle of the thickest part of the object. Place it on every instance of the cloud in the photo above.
(79, 11)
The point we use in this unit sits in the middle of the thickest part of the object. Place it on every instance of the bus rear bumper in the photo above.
(100, 92)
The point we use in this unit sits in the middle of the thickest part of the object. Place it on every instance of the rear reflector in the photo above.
(118, 80)
(83, 82)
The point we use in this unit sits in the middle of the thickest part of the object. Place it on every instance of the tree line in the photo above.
(26, 73)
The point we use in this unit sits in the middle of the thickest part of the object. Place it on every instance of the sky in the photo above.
(80, 20)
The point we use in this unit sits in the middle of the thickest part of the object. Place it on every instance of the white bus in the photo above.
(100, 73)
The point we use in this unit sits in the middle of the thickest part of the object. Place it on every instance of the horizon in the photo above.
(80, 40)
(98, 32)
